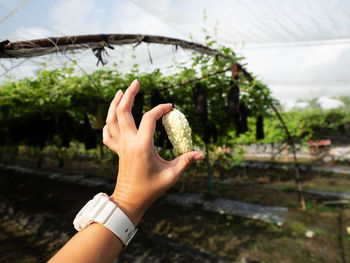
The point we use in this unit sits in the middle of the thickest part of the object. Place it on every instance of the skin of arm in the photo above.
(143, 176)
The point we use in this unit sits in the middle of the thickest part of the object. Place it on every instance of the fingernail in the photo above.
(118, 93)
(198, 157)
(134, 81)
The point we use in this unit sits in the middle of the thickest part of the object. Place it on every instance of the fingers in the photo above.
(111, 120)
(149, 119)
(179, 164)
(184, 160)
(108, 140)
(125, 120)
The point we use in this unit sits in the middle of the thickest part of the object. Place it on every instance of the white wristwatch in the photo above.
(102, 210)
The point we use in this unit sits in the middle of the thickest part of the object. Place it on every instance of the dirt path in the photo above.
(36, 215)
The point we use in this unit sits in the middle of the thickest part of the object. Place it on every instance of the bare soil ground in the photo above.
(174, 234)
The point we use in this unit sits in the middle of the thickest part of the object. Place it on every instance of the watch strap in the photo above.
(102, 210)
(115, 220)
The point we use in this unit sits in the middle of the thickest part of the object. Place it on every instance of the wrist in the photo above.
(133, 213)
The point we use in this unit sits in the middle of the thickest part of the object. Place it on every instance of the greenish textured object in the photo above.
(178, 130)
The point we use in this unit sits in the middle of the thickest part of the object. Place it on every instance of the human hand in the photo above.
(143, 175)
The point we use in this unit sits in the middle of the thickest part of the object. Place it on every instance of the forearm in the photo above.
(95, 243)
(143, 176)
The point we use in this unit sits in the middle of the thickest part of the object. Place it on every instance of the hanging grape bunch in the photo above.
(237, 109)
(260, 128)
(200, 103)
(200, 108)
(233, 99)
(234, 106)
(206, 128)
(240, 119)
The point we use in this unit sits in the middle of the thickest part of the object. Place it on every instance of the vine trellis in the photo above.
(99, 42)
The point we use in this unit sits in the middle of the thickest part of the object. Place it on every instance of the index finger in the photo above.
(149, 119)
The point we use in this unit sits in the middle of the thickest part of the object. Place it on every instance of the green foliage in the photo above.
(346, 101)
(303, 126)
(82, 101)
(52, 93)
(298, 228)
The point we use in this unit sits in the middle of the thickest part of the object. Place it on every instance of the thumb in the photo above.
(184, 160)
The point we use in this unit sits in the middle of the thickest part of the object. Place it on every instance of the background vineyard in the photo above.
(58, 107)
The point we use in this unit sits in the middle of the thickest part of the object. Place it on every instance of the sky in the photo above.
(299, 48)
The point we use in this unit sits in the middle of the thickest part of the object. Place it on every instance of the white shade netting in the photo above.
(300, 49)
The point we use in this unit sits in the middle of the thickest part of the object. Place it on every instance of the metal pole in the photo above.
(296, 164)
(208, 170)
